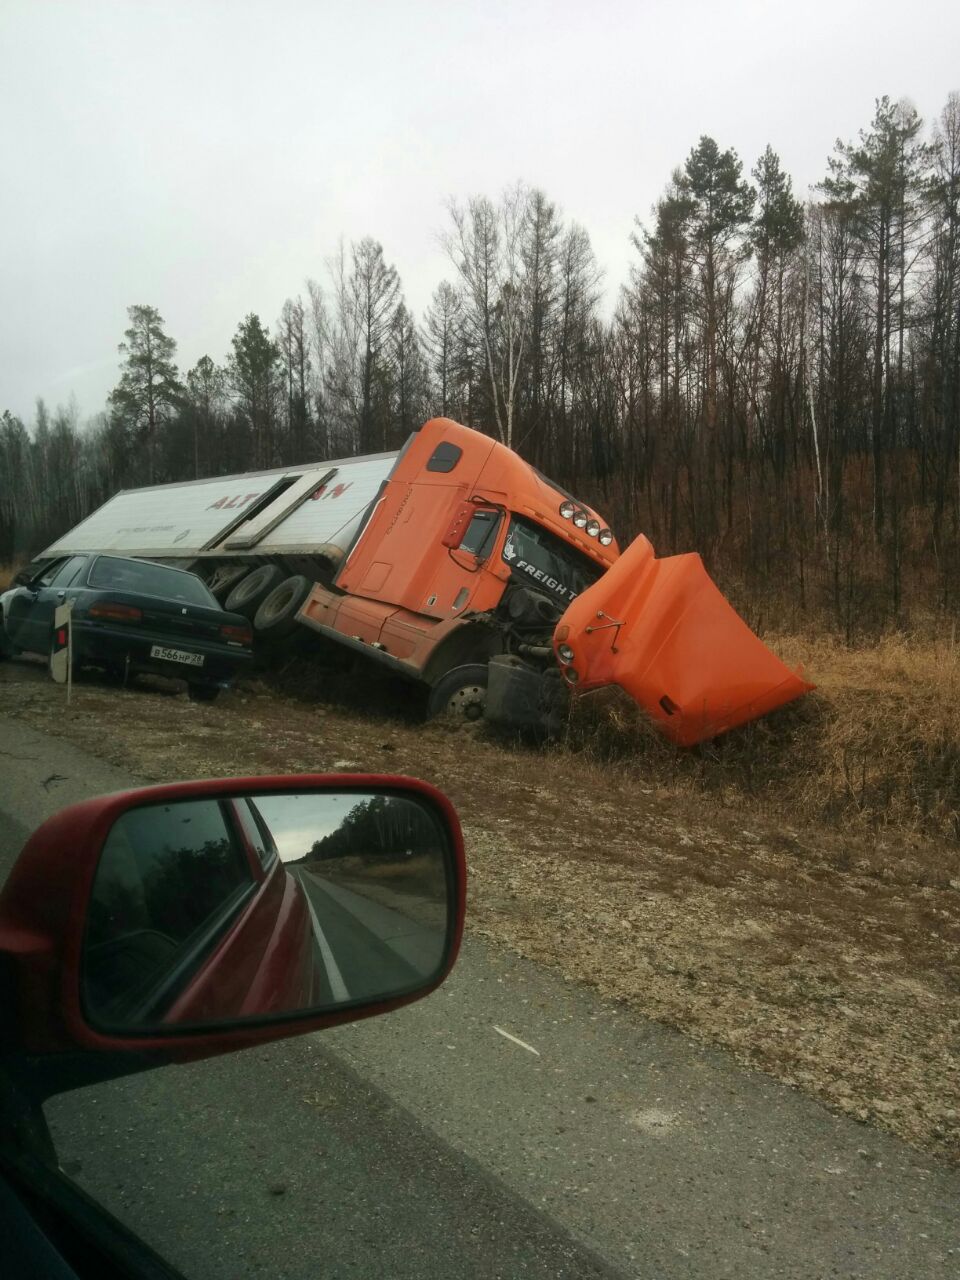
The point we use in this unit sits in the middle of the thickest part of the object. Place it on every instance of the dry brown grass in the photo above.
(888, 738)
(875, 748)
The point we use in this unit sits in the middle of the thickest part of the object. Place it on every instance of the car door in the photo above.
(30, 625)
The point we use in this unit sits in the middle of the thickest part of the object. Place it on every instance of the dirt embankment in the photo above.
(703, 890)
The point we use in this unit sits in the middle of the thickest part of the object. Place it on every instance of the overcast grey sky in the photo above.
(205, 157)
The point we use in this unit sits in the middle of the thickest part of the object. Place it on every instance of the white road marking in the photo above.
(523, 1045)
(338, 987)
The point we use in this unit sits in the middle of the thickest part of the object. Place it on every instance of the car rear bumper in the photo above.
(121, 647)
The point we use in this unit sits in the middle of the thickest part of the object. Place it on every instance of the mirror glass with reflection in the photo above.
(208, 911)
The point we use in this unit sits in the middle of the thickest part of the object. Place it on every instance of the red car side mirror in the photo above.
(177, 922)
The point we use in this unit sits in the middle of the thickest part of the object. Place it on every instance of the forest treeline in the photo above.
(778, 387)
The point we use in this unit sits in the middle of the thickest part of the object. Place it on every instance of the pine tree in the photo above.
(149, 391)
(254, 378)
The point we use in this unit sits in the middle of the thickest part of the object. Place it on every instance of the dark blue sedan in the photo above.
(129, 616)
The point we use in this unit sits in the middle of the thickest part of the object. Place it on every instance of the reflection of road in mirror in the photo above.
(371, 869)
(368, 947)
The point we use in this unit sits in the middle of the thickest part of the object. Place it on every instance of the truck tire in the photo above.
(460, 695)
(251, 591)
(277, 615)
(225, 578)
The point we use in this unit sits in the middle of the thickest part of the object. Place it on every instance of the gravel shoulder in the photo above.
(829, 961)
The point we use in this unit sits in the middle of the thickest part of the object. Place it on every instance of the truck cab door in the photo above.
(470, 543)
(425, 550)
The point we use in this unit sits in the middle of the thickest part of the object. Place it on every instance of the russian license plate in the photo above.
(176, 655)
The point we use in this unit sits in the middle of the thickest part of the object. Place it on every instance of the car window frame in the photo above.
(46, 576)
(243, 810)
(71, 580)
(493, 519)
(164, 987)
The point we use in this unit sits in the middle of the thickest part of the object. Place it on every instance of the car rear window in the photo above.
(150, 580)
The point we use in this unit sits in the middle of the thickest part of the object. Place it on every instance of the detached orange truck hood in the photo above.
(663, 632)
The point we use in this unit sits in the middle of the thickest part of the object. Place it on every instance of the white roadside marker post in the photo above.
(61, 659)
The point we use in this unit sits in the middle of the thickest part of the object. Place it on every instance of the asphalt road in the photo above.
(582, 1142)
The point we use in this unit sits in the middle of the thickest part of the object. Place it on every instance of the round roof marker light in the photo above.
(564, 653)
(593, 528)
(606, 537)
(580, 518)
(567, 509)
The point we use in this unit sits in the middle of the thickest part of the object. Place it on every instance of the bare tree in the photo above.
(205, 403)
(486, 248)
(294, 346)
(442, 328)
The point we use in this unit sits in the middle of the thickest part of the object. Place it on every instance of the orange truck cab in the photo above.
(475, 575)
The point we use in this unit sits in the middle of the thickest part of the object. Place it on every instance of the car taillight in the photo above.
(115, 612)
(237, 635)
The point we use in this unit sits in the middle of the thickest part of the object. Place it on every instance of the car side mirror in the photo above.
(191, 919)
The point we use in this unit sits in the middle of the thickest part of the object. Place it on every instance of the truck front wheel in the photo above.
(460, 695)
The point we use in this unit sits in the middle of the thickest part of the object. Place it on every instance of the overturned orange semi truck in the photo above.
(457, 566)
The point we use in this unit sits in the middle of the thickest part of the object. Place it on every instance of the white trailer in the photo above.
(290, 510)
(244, 534)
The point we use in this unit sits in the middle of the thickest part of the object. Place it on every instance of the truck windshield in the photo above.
(535, 555)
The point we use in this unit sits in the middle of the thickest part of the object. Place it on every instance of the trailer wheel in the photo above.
(225, 578)
(460, 695)
(251, 591)
(277, 615)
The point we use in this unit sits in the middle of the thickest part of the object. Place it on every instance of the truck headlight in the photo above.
(580, 518)
(606, 537)
(564, 653)
(567, 509)
(570, 675)
(593, 528)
